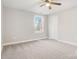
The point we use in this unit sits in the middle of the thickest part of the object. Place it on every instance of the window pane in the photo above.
(39, 23)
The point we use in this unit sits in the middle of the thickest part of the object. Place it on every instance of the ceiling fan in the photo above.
(49, 3)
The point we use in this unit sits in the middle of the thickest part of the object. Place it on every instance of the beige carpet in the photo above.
(41, 49)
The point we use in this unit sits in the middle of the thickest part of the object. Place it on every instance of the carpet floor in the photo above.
(41, 49)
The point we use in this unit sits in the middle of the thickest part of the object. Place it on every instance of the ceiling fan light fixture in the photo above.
(47, 4)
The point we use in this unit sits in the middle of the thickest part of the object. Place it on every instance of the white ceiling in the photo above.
(34, 5)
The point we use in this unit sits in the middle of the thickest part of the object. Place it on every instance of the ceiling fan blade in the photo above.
(45, 0)
(55, 3)
(42, 5)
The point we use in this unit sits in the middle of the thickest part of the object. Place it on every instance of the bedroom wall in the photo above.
(67, 25)
(63, 26)
(18, 26)
(53, 27)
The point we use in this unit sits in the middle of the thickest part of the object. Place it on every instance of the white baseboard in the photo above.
(66, 42)
(12, 43)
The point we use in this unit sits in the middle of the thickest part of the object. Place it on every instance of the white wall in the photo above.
(53, 27)
(62, 26)
(18, 25)
(67, 25)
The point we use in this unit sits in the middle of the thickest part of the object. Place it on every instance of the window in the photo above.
(39, 24)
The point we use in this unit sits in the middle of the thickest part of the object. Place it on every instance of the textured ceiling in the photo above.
(34, 5)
